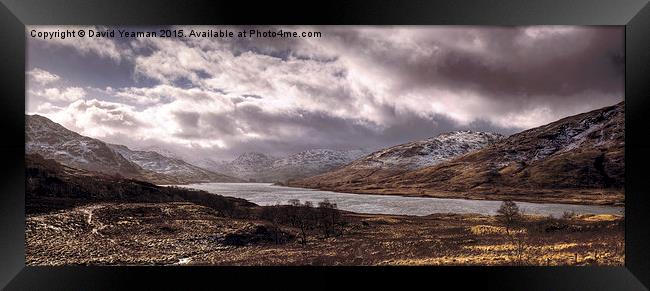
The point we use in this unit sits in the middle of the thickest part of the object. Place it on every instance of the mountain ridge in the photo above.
(577, 159)
(259, 167)
(53, 141)
(404, 157)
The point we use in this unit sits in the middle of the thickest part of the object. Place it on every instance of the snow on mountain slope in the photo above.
(317, 158)
(263, 168)
(248, 166)
(584, 151)
(402, 158)
(163, 151)
(311, 162)
(577, 159)
(54, 141)
(177, 168)
(428, 152)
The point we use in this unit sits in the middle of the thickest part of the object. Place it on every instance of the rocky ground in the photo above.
(183, 233)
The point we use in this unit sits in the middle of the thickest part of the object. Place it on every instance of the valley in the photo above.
(79, 217)
(351, 145)
(575, 160)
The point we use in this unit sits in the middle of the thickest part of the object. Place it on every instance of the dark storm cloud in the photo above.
(512, 63)
(222, 124)
(187, 119)
(509, 66)
(282, 133)
(598, 67)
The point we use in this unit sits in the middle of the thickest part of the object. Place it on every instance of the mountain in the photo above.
(403, 158)
(249, 166)
(577, 159)
(263, 168)
(174, 167)
(53, 141)
(162, 151)
(311, 162)
(428, 152)
(581, 151)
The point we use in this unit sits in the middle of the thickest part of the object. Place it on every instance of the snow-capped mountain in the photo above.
(404, 157)
(428, 152)
(317, 158)
(311, 162)
(263, 168)
(580, 151)
(53, 141)
(250, 166)
(163, 151)
(156, 162)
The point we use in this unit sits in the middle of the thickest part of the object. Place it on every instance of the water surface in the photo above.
(269, 194)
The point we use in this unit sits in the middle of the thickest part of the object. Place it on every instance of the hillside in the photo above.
(264, 168)
(52, 186)
(402, 158)
(173, 167)
(53, 141)
(578, 159)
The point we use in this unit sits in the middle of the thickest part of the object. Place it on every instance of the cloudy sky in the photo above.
(354, 87)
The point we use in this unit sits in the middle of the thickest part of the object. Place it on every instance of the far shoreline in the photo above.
(471, 198)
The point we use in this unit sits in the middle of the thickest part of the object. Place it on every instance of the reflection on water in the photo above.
(268, 194)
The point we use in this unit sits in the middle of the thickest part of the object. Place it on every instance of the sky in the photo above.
(354, 87)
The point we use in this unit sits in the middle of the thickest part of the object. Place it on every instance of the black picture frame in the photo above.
(633, 14)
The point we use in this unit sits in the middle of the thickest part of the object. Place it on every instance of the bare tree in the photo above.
(274, 215)
(519, 242)
(304, 220)
(508, 214)
(328, 218)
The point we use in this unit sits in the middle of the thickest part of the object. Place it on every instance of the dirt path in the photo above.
(96, 225)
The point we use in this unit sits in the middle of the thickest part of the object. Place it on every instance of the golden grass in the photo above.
(512, 247)
(600, 217)
(557, 254)
(383, 220)
(483, 229)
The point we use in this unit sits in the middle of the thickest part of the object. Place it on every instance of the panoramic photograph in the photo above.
(325, 145)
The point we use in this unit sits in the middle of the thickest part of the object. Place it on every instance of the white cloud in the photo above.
(41, 76)
(97, 118)
(67, 94)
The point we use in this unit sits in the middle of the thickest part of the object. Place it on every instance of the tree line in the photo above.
(324, 220)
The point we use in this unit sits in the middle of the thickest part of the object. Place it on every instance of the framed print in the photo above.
(167, 142)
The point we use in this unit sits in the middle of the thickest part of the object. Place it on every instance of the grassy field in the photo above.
(184, 233)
